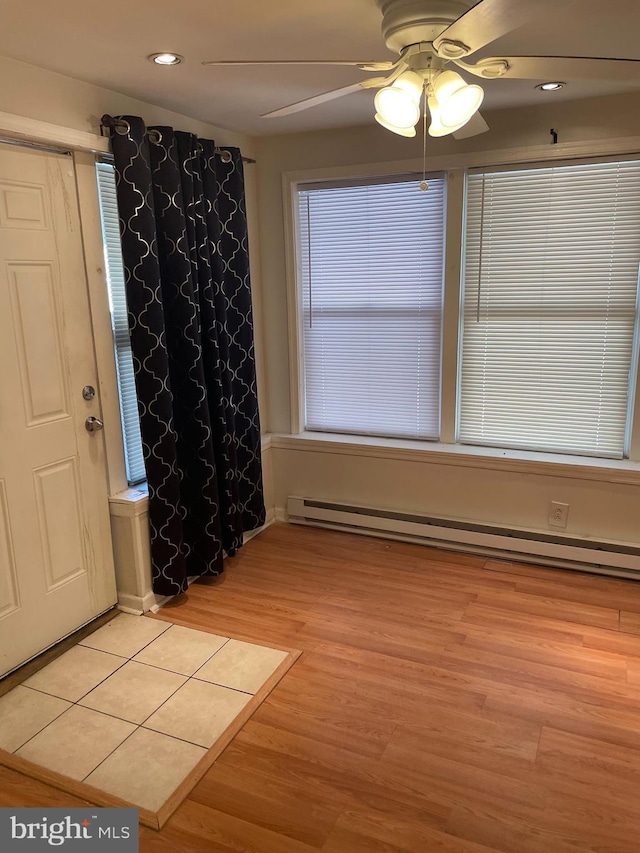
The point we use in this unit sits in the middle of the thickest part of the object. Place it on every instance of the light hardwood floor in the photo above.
(443, 702)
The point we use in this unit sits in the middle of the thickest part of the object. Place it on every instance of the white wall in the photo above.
(466, 491)
(469, 490)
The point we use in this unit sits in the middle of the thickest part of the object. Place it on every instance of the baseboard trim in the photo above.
(270, 518)
(138, 604)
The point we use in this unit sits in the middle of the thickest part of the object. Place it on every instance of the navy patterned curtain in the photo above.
(184, 244)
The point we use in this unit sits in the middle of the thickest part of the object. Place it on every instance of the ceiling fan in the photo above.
(432, 35)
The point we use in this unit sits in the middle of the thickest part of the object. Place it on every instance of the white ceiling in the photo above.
(107, 44)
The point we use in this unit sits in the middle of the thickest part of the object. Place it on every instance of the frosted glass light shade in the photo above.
(436, 127)
(397, 107)
(411, 83)
(401, 131)
(457, 100)
(399, 104)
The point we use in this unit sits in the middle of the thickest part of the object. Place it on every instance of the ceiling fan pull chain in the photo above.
(424, 185)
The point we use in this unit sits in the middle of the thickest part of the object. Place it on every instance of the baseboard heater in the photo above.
(586, 554)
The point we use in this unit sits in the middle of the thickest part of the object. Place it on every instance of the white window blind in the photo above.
(118, 304)
(549, 308)
(370, 264)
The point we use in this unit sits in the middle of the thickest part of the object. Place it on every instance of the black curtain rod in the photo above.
(156, 136)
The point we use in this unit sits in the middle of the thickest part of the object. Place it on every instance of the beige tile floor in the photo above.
(134, 706)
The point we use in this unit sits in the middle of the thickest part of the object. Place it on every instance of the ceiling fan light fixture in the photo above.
(166, 58)
(411, 83)
(436, 127)
(397, 107)
(457, 101)
(401, 131)
(551, 86)
(399, 103)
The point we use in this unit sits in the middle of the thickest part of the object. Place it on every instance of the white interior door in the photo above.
(56, 563)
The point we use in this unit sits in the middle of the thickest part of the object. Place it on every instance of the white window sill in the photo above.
(466, 456)
(130, 502)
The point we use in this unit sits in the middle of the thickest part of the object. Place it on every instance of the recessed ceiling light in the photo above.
(552, 86)
(166, 58)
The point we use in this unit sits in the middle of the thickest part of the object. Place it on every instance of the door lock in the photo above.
(93, 424)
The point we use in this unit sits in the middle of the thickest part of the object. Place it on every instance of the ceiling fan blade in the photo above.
(489, 19)
(473, 127)
(364, 65)
(568, 68)
(313, 102)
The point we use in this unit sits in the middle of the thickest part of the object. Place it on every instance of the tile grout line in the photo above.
(112, 716)
(46, 724)
(189, 678)
(164, 734)
(146, 645)
(183, 739)
(72, 704)
(93, 770)
(228, 640)
(226, 686)
(201, 681)
(175, 671)
(147, 718)
(131, 659)
(75, 703)
(95, 687)
(150, 665)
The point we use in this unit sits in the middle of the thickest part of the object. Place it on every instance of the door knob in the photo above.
(93, 424)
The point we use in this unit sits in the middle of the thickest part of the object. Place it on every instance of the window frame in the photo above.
(455, 168)
(340, 184)
(632, 376)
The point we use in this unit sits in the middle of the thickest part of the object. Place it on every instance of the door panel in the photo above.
(38, 340)
(8, 581)
(56, 565)
(59, 520)
(22, 206)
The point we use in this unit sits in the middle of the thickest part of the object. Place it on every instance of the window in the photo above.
(370, 260)
(541, 354)
(118, 305)
(549, 310)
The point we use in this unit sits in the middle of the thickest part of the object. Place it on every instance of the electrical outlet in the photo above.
(558, 514)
